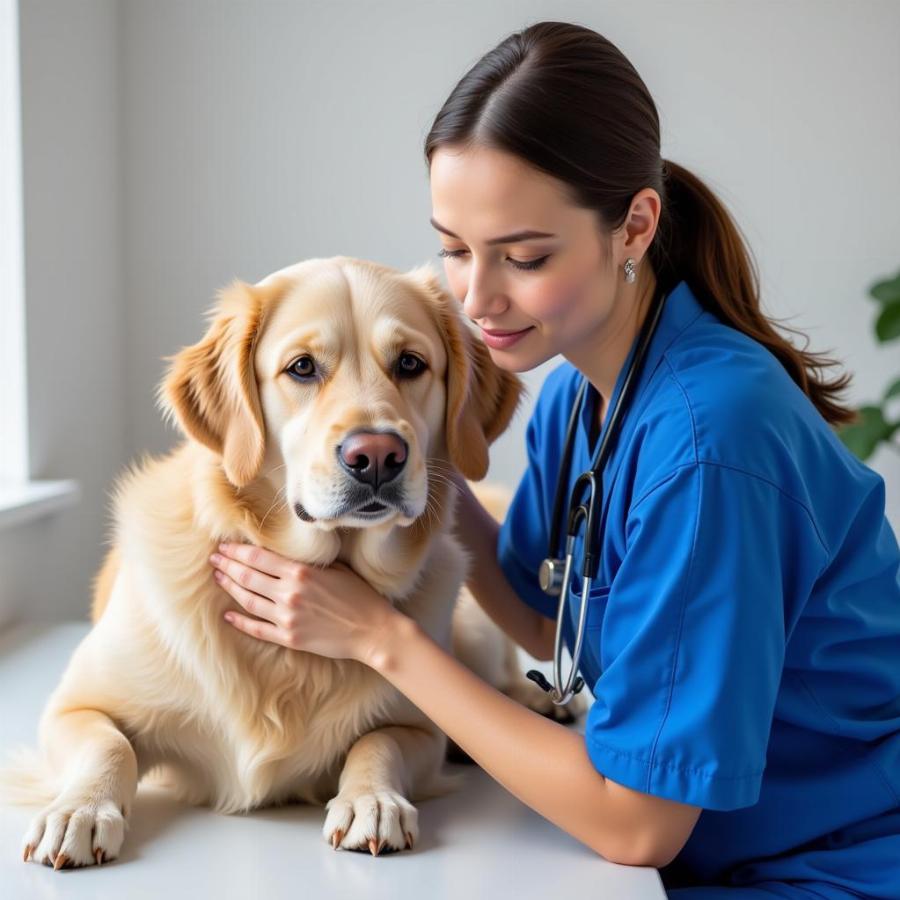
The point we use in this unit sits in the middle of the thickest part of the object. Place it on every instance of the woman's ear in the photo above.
(210, 387)
(481, 397)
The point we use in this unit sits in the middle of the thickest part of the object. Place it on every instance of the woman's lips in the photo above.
(502, 340)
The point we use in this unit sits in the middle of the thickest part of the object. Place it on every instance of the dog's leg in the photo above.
(384, 768)
(97, 768)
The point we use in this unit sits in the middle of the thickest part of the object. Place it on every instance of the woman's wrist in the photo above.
(388, 640)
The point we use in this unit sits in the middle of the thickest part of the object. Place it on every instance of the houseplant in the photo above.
(874, 425)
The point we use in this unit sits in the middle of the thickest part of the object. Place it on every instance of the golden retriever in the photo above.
(161, 687)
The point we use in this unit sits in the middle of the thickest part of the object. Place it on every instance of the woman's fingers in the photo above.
(259, 558)
(266, 631)
(253, 603)
(246, 575)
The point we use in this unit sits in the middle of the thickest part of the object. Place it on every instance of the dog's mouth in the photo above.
(371, 511)
(374, 507)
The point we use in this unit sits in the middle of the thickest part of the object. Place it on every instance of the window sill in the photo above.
(24, 501)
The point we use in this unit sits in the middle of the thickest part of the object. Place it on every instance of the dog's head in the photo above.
(347, 384)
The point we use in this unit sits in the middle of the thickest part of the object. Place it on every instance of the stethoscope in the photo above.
(555, 575)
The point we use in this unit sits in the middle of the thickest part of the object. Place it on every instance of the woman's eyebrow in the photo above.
(506, 239)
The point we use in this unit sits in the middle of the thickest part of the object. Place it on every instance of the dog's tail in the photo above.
(26, 780)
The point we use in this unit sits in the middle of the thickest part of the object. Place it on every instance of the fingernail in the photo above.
(218, 575)
(215, 558)
(223, 547)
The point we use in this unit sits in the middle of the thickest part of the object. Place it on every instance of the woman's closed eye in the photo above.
(528, 265)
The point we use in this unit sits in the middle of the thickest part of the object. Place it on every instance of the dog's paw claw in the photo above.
(75, 831)
(377, 820)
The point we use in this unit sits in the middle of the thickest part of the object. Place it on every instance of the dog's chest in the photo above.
(246, 722)
(284, 736)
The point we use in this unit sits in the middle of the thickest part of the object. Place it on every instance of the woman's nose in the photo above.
(482, 299)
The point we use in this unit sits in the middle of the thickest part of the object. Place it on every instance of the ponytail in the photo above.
(699, 239)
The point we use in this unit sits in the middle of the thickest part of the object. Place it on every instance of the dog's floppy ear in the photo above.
(481, 397)
(210, 387)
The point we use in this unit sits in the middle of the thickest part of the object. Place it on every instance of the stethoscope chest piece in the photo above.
(550, 576)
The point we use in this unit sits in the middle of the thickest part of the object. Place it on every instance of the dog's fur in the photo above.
(161, 687)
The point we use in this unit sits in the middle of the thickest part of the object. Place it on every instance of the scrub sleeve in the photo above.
(692, 639)
(690, 634)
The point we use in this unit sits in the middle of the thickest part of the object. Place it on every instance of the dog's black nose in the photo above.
(373, 457)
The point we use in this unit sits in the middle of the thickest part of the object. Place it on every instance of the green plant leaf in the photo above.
(893, 390)
(887, 291)
(887, 326)
(862, 437)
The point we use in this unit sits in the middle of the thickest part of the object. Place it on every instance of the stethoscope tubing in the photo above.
(589, 512)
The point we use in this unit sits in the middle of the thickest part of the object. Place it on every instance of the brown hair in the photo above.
(566, 100)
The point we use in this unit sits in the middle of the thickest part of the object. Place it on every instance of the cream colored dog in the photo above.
(299, 381)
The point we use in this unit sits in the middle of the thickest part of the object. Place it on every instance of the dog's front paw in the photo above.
(74, 831)
(371, 819)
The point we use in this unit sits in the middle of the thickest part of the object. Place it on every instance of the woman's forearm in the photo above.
(477, 529)
(538, 760)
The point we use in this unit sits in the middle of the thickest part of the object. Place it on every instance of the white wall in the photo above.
(206, 140)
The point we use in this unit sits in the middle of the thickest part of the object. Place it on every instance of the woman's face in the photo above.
(555, 287)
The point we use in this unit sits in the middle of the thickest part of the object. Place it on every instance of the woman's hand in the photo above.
(330, 611)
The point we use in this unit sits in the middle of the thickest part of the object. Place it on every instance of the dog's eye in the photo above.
(303, 367)
(409, 366)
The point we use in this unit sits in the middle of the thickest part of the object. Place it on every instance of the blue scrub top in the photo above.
(743, 632)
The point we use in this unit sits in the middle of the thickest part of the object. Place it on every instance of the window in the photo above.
(20, 497)
(13, 421)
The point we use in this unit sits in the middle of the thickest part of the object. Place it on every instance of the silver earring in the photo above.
(629, 270)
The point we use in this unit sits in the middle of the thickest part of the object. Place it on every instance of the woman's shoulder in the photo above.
(743, 407)
(731, 403)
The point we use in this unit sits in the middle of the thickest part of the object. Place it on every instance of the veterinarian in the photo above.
(743, 628)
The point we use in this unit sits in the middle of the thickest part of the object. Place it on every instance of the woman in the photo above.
(744, 622)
